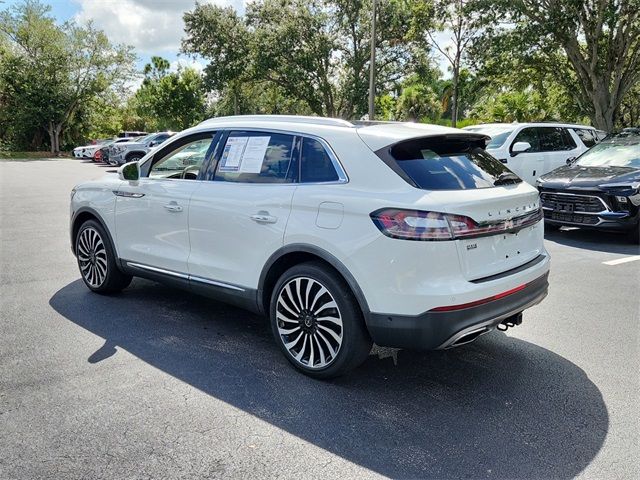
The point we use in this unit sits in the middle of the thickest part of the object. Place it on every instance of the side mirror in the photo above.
(520, 147)
(129, 171)
(153, 144)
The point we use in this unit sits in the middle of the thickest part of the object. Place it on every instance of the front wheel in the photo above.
(317, 322)
(97, 260)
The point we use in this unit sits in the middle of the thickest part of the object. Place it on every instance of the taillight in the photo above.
(421, 225)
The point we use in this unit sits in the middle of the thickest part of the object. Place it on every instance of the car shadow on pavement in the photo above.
(608, 242)
(500, 407)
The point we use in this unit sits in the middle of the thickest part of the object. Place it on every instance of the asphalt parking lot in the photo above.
(160, 383)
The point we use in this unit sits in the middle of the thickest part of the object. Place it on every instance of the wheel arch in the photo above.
(82, 215)
(294, 254)
(134, 152)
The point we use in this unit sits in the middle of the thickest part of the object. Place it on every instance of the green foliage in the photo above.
(418, 103)
(48, 72)
(170, 100)
(314, 53)
(590, 48)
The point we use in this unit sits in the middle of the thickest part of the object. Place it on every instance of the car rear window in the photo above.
(446, 163)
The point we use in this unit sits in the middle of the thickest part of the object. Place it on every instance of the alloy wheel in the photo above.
(92, 257)
(309, 322)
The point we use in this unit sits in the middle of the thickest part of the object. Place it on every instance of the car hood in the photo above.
(576, 176)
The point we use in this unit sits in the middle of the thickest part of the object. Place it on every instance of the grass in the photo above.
(30, 155)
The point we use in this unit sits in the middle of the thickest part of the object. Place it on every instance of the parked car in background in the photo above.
(88, 151)
(406, 235)
(132, 134)
(102, 154)
(600, 190)
(533, 149)
(120, 154)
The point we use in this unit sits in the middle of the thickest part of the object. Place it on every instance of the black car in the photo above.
(599, 190)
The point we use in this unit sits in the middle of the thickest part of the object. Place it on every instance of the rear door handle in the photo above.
(264, 218)
(173, 207)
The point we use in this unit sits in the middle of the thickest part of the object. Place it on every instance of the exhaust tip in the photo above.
(468, 337)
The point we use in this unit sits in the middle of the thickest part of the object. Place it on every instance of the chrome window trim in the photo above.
(184, 276)
(342, 174)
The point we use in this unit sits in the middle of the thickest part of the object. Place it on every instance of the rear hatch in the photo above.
(494, 253)
(459, 178)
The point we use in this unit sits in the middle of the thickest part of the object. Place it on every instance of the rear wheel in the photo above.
(317, 322)
(134, 158)
(97, 260)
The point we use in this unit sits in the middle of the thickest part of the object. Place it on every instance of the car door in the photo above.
(527, 165)
(152, 229)
(558, 146)
(239, 214)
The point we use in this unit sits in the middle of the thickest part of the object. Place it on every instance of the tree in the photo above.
(170, 100)
(418, 103)
(456, 17)
(592, 47)
(48, 71)
(222, 36)
(314, 53)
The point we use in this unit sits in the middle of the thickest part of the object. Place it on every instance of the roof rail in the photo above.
(335, 122)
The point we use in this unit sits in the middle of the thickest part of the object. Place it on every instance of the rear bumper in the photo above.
(434, 330)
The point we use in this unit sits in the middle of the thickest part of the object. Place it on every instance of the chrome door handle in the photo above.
(264, 218)
(173, 207)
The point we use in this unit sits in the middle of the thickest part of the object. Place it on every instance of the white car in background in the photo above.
(88, 151)
(406, 235)
(533, 149)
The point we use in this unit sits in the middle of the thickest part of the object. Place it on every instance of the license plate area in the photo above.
(486, 256)
(564, 207)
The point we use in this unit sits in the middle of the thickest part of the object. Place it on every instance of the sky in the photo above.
(152, 27)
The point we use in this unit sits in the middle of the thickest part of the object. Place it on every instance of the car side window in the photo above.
(256, 157)
(184, 162)
(588, 137)
(555, 139)
(315, 163)
(529, 135)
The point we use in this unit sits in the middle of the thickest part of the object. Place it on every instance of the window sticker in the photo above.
(232, 154)
(254, 154)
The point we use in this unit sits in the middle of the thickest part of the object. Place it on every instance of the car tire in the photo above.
(97, 260)
(321, 346)
(133, 158)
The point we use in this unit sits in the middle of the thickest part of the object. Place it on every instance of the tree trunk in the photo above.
(57, 131)
(454, 97)
(52, 139)
(236, 110)
(603, 112)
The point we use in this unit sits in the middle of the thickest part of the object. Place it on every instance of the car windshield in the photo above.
(146, 138)
(498, 133)
(613, 154)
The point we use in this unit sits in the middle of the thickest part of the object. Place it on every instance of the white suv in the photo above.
(532, 149)
(405, 235)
